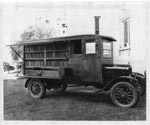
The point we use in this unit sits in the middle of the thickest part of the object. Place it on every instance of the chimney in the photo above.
(97, 24)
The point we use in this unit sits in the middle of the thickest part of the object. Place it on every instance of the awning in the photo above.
(63, 39)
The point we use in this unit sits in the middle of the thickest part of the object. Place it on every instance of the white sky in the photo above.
(12, 25)
(17, 18)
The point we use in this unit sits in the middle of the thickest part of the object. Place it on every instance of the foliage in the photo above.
(35, 33)
(7, 66)
(18, 50)
(30, 33)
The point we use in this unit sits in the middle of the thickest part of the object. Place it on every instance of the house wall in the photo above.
(135, 54)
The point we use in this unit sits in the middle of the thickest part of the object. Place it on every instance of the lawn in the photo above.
(74, 104)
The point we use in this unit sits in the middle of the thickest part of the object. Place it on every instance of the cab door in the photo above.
(92, 60)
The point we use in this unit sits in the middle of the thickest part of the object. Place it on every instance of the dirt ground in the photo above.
(74, 104)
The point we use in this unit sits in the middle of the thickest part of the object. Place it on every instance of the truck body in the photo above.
(81, 60)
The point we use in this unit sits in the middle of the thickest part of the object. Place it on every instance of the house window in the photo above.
(126, 32)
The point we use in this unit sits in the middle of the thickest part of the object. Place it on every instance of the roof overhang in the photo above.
(63, 39)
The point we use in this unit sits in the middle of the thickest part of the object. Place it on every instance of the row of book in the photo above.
(49, 73)
(34, 55)
(61, 54)
(57, 63)
(34, 63)
(34, 48)
(57, 54)
(57, 47)
(32, 72)
(48, 55)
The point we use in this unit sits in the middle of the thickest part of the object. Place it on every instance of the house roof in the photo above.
(61, 39)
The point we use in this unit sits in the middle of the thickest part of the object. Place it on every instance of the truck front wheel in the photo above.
(36, 88)
(123, 94)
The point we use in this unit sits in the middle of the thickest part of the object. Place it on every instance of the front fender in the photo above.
(136, 75)
(129, 79)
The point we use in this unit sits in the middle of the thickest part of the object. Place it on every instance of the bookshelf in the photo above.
(40, 58)
(57, 55)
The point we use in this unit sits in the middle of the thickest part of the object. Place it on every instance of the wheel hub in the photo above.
(35, 88)
(124, 95)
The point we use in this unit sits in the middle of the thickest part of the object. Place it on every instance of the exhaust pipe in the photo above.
(97, 31)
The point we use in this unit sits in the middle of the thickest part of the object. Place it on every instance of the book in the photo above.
(34, 63)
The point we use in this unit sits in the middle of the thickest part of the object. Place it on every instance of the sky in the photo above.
(16, 17)
(11, 26)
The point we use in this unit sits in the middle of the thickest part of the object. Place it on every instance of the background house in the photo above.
(132, 45)
(128, 22)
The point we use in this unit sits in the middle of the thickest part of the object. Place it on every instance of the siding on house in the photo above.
(135, 52)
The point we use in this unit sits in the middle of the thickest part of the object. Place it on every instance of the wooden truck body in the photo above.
(75, 57)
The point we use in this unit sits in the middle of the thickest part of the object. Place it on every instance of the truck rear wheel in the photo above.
(123, 94)
(36, 88)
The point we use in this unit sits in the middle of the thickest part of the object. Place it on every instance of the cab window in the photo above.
(90, 48)
(77, 47)
(107, 49)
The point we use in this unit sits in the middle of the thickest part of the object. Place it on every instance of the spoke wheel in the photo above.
(36, 88)
(123, 94)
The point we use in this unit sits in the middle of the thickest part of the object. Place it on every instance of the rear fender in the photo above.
(129, 79)
(27, 82)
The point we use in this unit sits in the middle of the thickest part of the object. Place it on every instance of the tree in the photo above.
(33, 32)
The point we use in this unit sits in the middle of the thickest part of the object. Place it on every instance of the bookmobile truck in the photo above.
(80, 60)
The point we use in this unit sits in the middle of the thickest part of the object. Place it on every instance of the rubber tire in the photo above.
(142, 82)
(136, 96)
(42, 86)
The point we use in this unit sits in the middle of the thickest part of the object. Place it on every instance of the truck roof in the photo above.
(65, 38)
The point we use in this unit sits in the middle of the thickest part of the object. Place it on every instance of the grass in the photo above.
(74, 104)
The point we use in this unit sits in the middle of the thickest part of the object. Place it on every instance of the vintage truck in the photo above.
(80, 60)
